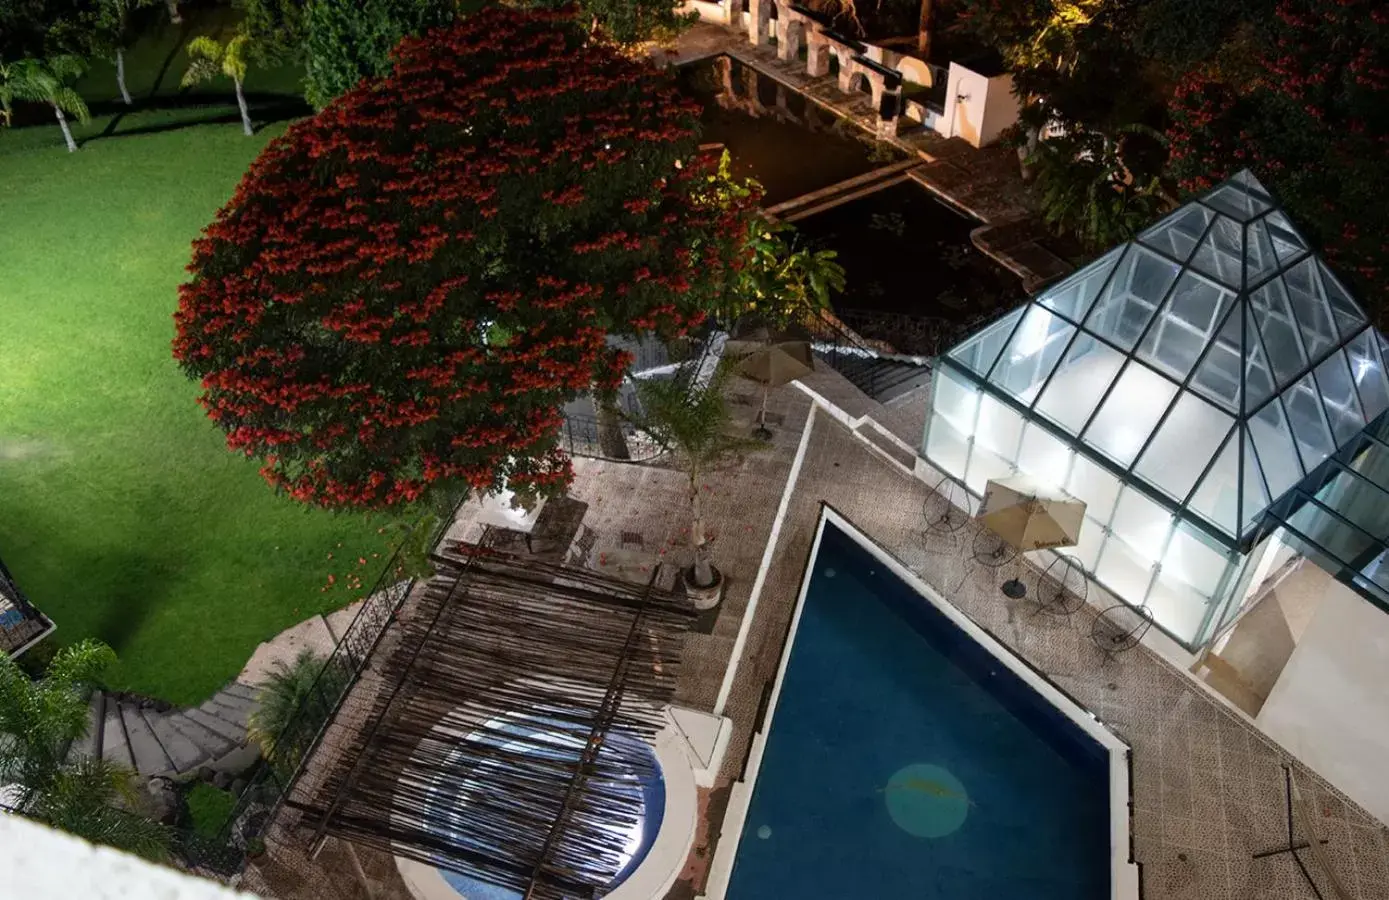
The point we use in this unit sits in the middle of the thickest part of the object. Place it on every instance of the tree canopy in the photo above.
(406, 288)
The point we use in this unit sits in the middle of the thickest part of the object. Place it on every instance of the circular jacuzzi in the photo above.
(655, 843)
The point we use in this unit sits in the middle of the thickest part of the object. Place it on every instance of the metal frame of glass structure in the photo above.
(1209, 368)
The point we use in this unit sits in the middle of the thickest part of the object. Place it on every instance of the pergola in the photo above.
(510, 723)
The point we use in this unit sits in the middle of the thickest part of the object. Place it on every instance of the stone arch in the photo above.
(791, 31)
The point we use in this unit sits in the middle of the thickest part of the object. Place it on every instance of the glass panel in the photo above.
(1368, 371)
(1043, 457)
(1274, 444)
(1177, 607)
(1258, 378)
(1186, 324)
(1339, 538)
(1309, 307)
(1287, 243)
(1268, 306)
(1218, 376)
(1221, 254)
(1031, 353)
(1128, 415)
(979, 352)
(1308, 422)
(1141, 522)
(1349, 317)
(955, 398)
(1177, 234)
(1217, 499)
(1131, 297)
(983, 466)
(1254, 499)
(1072, 297)
(1096, 485)
(1124, 572)
(1360, 501)
(1239, 198)
(1087, 549)
(999, 428)
(1338, 397)
(1184, 444)
(1191, 560)
(946, 447)
(1088, 370)
(1259, 258)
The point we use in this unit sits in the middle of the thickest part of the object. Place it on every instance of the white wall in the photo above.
(978, 109)
(1330, 707)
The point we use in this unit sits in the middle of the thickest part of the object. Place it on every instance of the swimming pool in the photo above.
(905, 753)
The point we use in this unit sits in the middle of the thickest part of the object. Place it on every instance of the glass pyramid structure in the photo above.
(1215, 361)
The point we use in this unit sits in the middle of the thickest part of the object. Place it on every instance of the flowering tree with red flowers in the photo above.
(1312, 118)
(406, 288)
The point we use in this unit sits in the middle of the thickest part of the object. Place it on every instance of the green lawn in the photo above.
(122, 513)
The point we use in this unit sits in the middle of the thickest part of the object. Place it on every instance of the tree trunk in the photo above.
(923, 30)
(703, 572)
(67, 132)
(120, 75)
(612, 440)
(245, 113)
(1025, 153)
(173, 12)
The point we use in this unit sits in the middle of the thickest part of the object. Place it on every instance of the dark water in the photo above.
(774, 134)
(906, 252)
(905, 762)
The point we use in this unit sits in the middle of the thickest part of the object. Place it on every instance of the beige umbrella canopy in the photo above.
(1030, 516)
(770, 363)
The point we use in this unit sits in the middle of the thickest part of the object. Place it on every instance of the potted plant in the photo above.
(692, 420)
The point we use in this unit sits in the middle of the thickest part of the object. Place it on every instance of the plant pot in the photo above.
(704, 597)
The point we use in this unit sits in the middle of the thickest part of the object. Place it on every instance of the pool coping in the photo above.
(1125, 881)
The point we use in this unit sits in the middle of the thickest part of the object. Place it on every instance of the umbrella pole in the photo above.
(762, 431)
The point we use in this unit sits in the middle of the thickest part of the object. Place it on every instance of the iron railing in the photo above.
(582, 436)
(259, 802)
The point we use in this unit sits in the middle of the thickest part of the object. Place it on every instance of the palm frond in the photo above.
(82, 800)
(70, 102)
(298, 688)
(67, 68)
(694, 421)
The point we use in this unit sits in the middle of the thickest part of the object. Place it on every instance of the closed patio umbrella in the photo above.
(771, 364)
(1030, 517)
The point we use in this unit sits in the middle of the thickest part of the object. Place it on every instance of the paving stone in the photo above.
(244, 691)
(114, 746)
(89, 744)
(149, 755)
(231, 707)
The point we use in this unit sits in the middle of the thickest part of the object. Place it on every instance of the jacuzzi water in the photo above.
(903, 760)
(648, 788)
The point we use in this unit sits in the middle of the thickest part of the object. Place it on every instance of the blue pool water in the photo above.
(904, 761)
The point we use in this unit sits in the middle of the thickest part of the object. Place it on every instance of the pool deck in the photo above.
(1208, 787)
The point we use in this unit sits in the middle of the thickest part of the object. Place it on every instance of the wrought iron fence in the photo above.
(910, 335)
(583, 436)
(260, 800)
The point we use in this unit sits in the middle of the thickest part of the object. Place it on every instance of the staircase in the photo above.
(170, 743)
(881, 377)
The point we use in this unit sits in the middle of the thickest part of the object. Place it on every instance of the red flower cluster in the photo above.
(405, 289)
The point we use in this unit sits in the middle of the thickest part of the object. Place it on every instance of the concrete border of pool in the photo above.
(664, 861)
(1124, 872)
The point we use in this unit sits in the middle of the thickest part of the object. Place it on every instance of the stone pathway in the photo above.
(139, 736)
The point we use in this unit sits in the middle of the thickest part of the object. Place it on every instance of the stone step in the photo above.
(89, 745)
(229, 707)
(214, 723)
(214, 743)
(182, 751)
(115, 748)
(244, 691)
(149, 755)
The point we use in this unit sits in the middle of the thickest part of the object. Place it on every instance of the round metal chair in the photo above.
(992, 551)
(1062, 588)
(1120, 627)
(946, 509)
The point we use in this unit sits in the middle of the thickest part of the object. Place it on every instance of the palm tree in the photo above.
(45, 81)
(210, 59)
(293, 692)
(116, 28)
(39, 721)
(694, 421)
